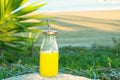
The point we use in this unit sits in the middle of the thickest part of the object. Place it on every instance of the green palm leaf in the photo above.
(36, 16)
(12, 23)
(23, 2)
(2, 9)
(12, 5)
(28, 9)
(31, 24)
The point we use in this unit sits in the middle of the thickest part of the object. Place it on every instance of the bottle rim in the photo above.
(49, 32)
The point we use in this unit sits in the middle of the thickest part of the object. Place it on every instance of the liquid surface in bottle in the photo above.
(48, 63)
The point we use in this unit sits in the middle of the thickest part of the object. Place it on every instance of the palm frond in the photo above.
(2, 9)
(13, 17)
(30, 8)
(36, 16)
(12, 5)
(23, 2)
(31, 24)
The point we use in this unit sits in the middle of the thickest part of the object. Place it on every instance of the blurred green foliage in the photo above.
(97, 62)
(14, 19)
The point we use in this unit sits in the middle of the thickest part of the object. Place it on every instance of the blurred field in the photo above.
(86, 28)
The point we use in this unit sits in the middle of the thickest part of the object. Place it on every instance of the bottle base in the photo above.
(49, 76)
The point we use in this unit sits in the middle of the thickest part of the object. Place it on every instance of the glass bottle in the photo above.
(49, 54)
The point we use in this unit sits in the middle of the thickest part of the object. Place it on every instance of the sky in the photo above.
(78, 5)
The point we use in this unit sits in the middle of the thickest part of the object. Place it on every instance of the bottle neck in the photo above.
(49, 37)
(49, 43)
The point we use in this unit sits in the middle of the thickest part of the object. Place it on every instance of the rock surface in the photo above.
(36, 76)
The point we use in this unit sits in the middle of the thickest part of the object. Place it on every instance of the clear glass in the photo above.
(49, 43)
(49, 56)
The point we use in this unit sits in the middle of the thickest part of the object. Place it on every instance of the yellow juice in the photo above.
(48, 63)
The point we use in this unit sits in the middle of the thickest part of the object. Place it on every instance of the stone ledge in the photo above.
(36, 76)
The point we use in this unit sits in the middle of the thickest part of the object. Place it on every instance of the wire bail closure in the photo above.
(48, 23)
(49, 31)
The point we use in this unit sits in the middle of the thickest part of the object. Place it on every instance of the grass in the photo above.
(94, 62)
(98, 62)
